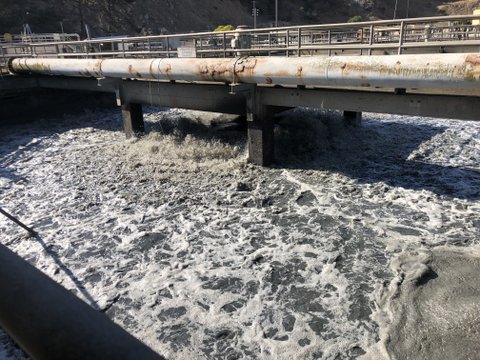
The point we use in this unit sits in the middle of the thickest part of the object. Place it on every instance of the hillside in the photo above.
(109, 17)
(460, 7)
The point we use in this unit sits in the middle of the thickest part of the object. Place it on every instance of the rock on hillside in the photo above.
(120, 17)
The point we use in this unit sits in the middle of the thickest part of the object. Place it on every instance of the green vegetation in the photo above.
(356, 18)
(224, 28)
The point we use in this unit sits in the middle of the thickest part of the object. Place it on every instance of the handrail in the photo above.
(39, 38)
(285, 28)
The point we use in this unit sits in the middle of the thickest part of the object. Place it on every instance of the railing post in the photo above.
(371, 39)
(329, 42)
(287, 40)
(299, 45)
(224, 45)
(168, 46)
(269, 43)
(3, 61)
(362, 34)
(201, 46)
(400, 41)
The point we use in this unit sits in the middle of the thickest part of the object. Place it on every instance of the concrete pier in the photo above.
(260, 137)
(133, 123)
(260, 129)
(352, 117)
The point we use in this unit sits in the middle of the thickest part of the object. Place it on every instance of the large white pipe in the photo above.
(396, 71)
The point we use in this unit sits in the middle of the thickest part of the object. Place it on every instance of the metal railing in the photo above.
(418, 35)
(22, 45)
(37, 38)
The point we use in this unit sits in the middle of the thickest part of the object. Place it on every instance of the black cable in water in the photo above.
(18, 222)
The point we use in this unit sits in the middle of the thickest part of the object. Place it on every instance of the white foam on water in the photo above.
(201, 255)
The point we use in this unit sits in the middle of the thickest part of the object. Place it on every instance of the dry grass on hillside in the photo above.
(464, 7)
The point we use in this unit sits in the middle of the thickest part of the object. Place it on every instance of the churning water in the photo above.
(203, 256)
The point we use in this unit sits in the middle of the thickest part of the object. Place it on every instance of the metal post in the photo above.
(361, 39)
(400, 41)
(371, 39)
(299, 45)
(224, 45)
(201, 47)
(287, 40)
(254, 14)
(2, 55)
(329, 42)
(269, 43)
(168, 46)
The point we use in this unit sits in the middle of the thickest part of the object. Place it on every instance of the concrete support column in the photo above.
(133, 124)
(352, 117)
(260, 131)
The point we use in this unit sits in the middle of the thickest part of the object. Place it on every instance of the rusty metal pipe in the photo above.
(396, 71)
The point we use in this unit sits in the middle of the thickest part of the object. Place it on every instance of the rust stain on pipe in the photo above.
(473, 59)
(132, 71)
(470, 70)
(39, 67)
(299, 71)
(214, 71)
(85, 73)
